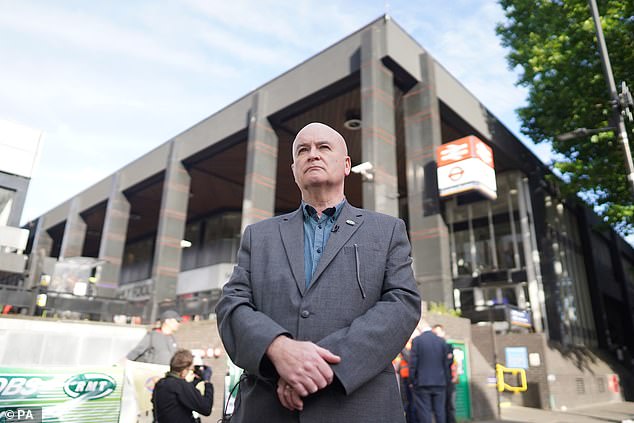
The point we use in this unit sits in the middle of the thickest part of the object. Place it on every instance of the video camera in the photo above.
(202, 371)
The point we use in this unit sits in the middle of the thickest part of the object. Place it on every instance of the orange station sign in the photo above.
(465, 165)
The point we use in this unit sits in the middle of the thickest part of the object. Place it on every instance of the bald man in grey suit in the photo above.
(320, 302)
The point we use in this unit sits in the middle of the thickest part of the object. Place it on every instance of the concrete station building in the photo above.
(164, 230)
(19, 149)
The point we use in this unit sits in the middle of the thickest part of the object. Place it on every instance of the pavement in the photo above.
(620, 412)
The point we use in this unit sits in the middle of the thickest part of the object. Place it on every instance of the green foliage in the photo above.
(439, 308)
(553, 45)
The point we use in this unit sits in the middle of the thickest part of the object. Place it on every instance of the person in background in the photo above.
(450, 401)
(429, 367)
(174, 398)
(158, 346)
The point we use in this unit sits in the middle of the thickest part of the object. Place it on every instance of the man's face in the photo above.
(172, 325)
(319, 157)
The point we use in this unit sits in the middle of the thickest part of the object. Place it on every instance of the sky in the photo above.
(107, 81)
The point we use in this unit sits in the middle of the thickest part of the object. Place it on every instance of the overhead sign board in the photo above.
(519, 317)
(466, 165)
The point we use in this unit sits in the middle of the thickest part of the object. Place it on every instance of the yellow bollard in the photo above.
(503, 386)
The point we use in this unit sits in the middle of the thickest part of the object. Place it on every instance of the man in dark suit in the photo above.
(320, 301)
(452, 378)
(429, 366)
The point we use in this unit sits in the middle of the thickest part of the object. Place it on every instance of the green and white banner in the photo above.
(65, 394)
(231, 380)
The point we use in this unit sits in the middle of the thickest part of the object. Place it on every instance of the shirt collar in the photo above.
(332, 212)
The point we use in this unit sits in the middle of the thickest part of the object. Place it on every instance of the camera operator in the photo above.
(174, 398)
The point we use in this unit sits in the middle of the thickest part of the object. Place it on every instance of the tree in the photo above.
(553, 44)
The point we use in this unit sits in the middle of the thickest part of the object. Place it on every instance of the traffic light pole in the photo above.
(615, 100)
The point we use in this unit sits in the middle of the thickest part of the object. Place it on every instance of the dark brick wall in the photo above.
(456, 327)
(578, 377)
(483, 341)
(483, 392)
(564, 378)
(537, 395)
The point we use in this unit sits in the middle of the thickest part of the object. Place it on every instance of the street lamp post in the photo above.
(620, 103)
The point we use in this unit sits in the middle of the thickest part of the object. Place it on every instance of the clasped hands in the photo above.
(304, 368)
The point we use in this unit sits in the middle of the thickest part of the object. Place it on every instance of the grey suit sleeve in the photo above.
(245, 332)
(373, 339)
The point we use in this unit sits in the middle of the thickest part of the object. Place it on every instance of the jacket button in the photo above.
(305, 313)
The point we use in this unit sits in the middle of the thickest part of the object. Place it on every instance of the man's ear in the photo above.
(348, 165)
(293, 172)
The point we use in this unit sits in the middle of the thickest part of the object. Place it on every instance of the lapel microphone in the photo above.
(335, 229)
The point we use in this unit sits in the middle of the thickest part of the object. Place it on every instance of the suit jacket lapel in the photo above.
(292, 231)
(339, 238)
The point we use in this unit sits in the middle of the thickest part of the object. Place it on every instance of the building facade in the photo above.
(164, 230)
(19, 147)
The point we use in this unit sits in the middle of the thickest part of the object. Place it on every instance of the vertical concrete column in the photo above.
(113, 237)
(428, 230)
(171, 229)
(536, 293)
(42, 245)
(74, 232)
(378, 135)
(261, 168)
(19, 185)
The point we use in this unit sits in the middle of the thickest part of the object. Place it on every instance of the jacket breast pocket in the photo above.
(368, 268)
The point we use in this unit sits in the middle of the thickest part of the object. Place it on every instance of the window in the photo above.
(137, 260)
(221, 239)
(486, 234)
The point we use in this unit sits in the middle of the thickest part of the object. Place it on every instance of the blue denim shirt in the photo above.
(316, 234)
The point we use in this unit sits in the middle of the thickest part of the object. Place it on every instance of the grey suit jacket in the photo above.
(362, 304)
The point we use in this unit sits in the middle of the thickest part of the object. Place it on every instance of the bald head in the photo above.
(320, 162)
(318, 130)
